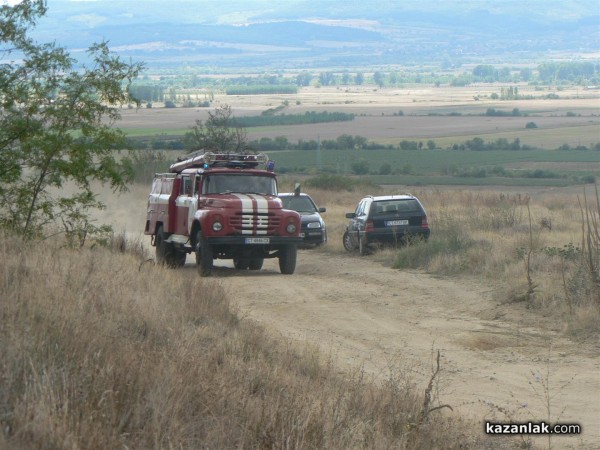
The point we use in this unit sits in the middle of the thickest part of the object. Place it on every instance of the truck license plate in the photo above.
(257, 240)
(395, 223)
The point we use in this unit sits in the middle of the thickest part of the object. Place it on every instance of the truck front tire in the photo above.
(287, 259)
(204, 255)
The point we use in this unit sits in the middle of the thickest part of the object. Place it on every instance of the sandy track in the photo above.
(363, 314)
(366, 315)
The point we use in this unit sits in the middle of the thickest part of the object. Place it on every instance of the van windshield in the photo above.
(227, 183)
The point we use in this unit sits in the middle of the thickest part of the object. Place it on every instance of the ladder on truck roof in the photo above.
(204, 160)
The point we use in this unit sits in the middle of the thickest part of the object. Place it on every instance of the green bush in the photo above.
(385, 169)
(360, 167)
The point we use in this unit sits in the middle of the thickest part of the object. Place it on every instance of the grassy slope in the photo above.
(101, 350)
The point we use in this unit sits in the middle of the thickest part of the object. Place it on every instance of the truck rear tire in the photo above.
(287, 259)
(166, 253)
(159, 242)
(241, 263)
(256, 263)
(177, 259)
(204, 255)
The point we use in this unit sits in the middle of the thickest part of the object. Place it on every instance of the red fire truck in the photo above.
(221, 205)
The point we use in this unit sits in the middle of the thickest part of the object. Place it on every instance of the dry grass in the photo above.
(486, 235)
(101, 350)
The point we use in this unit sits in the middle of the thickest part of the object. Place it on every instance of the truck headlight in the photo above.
(217, 226)
(291, 228)
(314, 225)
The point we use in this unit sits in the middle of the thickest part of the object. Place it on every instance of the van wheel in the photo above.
(204, 255)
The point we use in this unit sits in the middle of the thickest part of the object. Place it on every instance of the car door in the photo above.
(357, 223)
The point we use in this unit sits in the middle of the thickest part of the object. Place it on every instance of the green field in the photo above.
(554, 168)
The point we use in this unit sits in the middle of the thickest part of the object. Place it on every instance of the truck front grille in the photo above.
(260, 223)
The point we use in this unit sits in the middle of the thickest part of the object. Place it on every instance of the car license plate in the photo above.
(395, 223)
(257, 240)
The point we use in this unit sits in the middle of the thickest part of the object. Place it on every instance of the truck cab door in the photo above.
(192, 202)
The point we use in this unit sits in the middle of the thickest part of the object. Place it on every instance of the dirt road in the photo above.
(363, 314)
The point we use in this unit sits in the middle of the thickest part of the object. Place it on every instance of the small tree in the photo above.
(56, 127)
(220, 132)
(379, 78)
(385, 169)
(360, 167)
(359, 78)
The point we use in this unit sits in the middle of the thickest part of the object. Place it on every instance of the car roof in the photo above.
(291, 194)
(393, 197)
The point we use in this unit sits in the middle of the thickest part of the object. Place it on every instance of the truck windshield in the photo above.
(225, 183)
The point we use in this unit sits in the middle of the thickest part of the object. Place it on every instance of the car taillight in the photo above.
(424, 223)
(369, 226)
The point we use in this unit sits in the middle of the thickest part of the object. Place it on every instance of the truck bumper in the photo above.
(254, 240)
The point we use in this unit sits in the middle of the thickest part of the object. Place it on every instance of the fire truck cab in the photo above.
(221, 206)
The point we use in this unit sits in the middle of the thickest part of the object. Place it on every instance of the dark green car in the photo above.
(313, 230)
(389, 219)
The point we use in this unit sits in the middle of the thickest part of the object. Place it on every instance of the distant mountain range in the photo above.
(262, 34)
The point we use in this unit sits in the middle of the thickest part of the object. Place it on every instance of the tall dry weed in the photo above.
(100, 352)
(487, 235)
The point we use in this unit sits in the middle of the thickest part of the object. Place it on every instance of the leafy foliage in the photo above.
(219, 132)
(55, 126)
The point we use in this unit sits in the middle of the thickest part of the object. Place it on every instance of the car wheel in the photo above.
(348, 242)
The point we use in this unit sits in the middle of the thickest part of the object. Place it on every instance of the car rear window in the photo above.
(392, 206)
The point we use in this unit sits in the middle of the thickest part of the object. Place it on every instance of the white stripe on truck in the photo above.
(249, 214)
